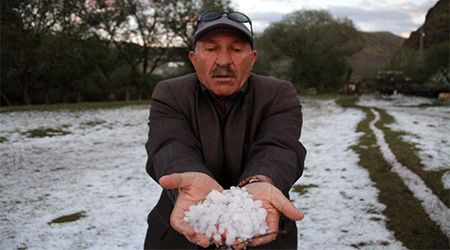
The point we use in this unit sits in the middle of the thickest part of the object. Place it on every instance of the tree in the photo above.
(107, 20)
(41, 40)
(73, 64)
(107, 59)
(51, 46)
(308, 47)
(437, 61)
(138, 30)
(420, 66)
(24, 25)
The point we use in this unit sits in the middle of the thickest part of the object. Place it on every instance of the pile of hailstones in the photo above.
(233, 211)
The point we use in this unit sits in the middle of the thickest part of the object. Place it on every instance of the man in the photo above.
(220, 127)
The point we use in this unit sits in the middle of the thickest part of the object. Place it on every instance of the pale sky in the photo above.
(399, 17)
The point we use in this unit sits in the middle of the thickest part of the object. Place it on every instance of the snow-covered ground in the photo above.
(96, 164)
(343, 209)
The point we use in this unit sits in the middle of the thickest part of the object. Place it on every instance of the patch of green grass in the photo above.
(407, 154)
(435, 104)
(318, 97)
(347, 101)
(44, 132)
(68, 218)
(74, 106)
(303, 189)
(375, 219)
(93, 123)
(405, 215)
(22, 247)
(359, 245)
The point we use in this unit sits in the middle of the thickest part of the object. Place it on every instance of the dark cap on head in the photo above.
(222, 23)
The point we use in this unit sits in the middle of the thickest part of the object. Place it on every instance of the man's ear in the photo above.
(254, 57)
(193, 58)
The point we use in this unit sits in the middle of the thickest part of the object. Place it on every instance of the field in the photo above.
(377, 176)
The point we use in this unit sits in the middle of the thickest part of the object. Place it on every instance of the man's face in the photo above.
(223, 61)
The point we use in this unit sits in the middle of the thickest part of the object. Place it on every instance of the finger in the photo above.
(286, 207)
(272, 220)
(177, 217)
(202, 240)
(263, 240)
(239, 244)
(199, 239)
(182, 227)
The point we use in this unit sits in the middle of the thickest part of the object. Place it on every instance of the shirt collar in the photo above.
(242, 90)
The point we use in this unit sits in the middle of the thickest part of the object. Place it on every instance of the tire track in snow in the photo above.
(435, 208)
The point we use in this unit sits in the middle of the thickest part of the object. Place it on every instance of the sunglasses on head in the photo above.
(235, 16)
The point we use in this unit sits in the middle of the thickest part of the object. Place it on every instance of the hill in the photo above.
(424, 56)
(383, 47)
(376, 54)
(435, 30)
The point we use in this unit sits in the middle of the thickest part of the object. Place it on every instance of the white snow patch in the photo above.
(428, 128)
(435, 208)
(99, 168)
(343, 210)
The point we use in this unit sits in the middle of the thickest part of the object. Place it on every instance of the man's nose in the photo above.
(224, 58)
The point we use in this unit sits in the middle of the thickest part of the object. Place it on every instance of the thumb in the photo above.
(288, 209)
(173, 181)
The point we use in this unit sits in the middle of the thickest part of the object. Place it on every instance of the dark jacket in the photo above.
(261, 136)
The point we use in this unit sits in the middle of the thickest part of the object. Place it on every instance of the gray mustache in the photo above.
(223, 71)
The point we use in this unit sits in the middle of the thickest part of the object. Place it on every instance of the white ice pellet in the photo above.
(217, 237)
(233, 212)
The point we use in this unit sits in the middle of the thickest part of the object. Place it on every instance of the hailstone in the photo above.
(232, 211)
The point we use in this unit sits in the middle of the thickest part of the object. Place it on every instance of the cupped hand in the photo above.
(275, 203)
(192, 188)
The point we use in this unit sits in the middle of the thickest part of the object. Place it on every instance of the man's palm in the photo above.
(275, 203)
(192, 188)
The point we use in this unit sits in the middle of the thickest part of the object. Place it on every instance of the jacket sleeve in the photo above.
(276, 150)
(172, 146)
